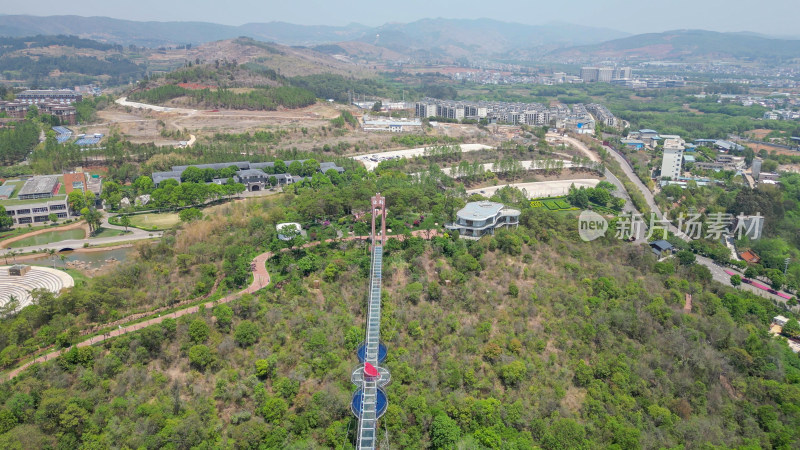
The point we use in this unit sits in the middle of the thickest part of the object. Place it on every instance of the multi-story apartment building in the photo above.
(602, 114)
(425, 109)
(66, 113)
(605, 74)
(590, 74)
(672, 159)
(623, 73)
(64, 96)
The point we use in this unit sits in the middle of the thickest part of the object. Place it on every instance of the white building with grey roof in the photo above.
(478, 219)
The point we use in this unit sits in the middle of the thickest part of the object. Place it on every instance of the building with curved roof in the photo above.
(478, 219)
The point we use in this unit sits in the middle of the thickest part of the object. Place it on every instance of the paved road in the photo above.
(577, 144)
(620, 192)
(717, 271)
(123, 101)
(135, 235)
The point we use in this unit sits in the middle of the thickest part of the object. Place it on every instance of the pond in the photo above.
(88, 260)
(48, 237)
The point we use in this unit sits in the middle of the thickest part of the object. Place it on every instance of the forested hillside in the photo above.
(258, 99)
(65, 61)
(531, 337)
(266, 90)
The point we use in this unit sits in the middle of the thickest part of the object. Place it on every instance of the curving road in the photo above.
(717, 271)
(123, 101)
(135, 234)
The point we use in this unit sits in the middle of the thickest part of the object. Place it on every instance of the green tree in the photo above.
(445, 432)
(76, 200)
(686, 257)
(7, 420)
(190, 214)
(224, 315)
(200, 356)
(377, 106)
(33, 112)
(5, 220)
(513, 373)
(112, 193)
(752, 272)
(92, 217)
(198, 331)
(246, 333)
(792, 328)
(295, 168)
(565, 434)
(125, 221)
(776, 278)
(330, 272)
(192, 175)
(736, 280)
(143, 185)
(265, 368)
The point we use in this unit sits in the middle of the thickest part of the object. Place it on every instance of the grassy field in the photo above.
(51, 236)
(18, 231)
(161, 220)
(107, 232)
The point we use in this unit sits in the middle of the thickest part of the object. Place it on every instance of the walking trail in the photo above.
(261, 279)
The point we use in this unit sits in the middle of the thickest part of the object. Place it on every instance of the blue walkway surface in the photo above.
(362, 352)
(380, 404)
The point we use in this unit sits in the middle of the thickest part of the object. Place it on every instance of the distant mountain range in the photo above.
(429, 36)
(425, 40)
(157, 34)
(686, 45)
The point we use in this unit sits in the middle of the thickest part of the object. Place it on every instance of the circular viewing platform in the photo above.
(380, 406)
(362, 352)
(383, 380)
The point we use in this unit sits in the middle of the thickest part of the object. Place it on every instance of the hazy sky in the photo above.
(776, 17)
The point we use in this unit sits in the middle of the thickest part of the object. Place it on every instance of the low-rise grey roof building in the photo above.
(159, 177)
(39, 187)
(326, 166)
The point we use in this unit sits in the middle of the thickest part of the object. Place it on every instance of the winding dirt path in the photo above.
(261, 279)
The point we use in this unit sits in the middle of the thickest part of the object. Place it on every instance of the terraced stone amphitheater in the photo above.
(38, 277)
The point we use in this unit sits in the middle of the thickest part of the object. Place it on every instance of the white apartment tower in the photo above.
(673, 158)
(605, 74)
(589, 74)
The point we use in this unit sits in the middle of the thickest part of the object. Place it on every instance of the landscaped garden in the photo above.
(553, 204)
